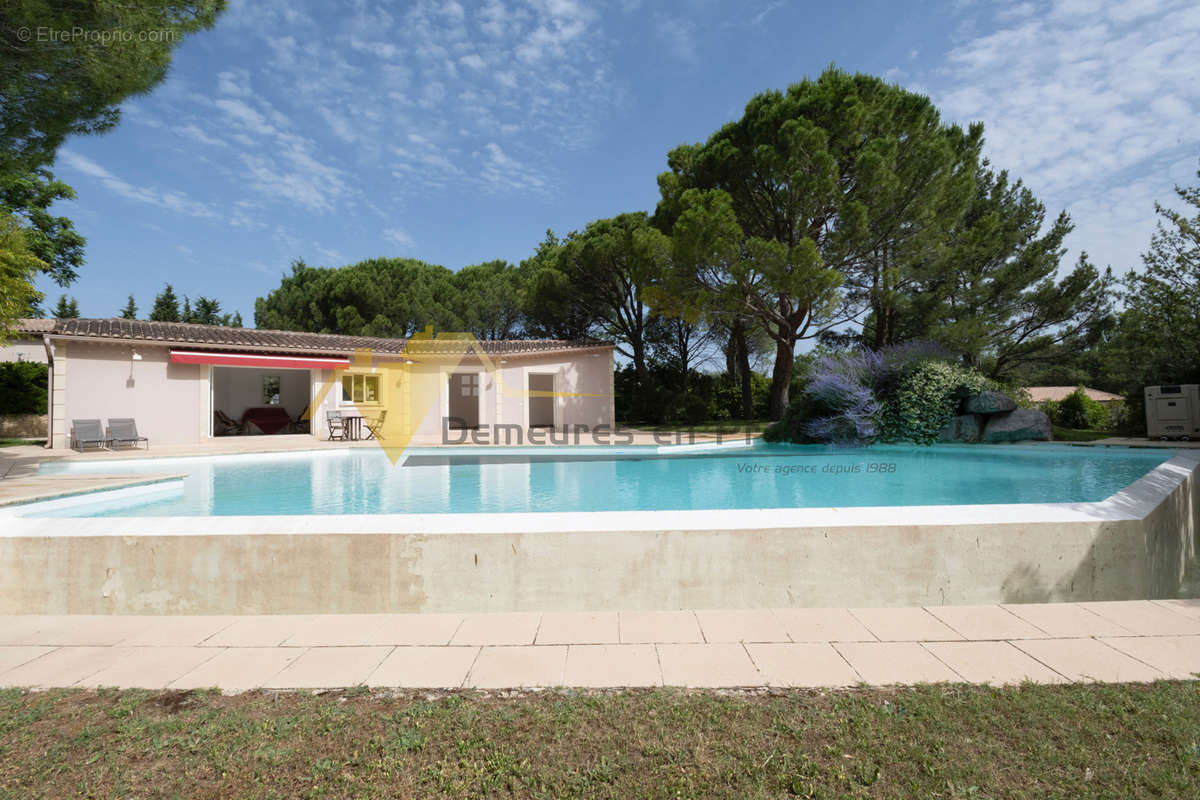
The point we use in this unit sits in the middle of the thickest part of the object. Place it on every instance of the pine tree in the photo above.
(130, 309)
(166, 306)
(207, 311)
(66, 308)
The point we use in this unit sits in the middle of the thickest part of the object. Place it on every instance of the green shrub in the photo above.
(1050, 409)
(1079, 411)
(792, 426)
(23, 387)
(927, 395)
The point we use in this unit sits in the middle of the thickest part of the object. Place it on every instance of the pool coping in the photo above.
(1134, 502)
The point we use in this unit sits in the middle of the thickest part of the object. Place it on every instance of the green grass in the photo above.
(948, 741)
(18, 442)
(1080, 435)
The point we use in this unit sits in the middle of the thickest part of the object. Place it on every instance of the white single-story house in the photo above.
(179, 381)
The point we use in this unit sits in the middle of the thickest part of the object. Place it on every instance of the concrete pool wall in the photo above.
(1138, 544)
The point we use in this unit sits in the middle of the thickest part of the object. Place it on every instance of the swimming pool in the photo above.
(505, 480)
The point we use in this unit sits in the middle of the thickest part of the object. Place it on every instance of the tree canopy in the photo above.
(393, 297)
(65, 69)
(832, 182)
(18, 265)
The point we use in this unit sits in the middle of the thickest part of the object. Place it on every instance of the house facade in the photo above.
(185, 384)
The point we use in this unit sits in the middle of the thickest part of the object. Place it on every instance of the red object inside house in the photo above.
(269, 419)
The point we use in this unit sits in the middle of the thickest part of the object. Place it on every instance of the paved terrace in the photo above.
(1044, 643)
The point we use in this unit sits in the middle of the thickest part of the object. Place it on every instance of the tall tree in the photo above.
(680, 344)
(392, 297)
(607, 268)
(130, 310)
(1160, 328)
(18, 265)
(67, 308)
(73, 83)
(207, 311)
(57, 79)
(487, 300)
(825, 180)
(166, 306)
(992, 294)
(549, 299)
(52, 238)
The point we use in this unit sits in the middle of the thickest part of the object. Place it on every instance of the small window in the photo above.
(470, 384)
(360, 388)
(271, 390)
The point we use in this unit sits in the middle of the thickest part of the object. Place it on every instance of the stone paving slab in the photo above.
(1146, 619)
(238, 669)
(649, 627)
(1046, 643)
(703, 665)
(895, 662)
(809, 664)
(823, 625)
(1065, 620)
(986, 623)
(1177, 656)
(904, 624)
(425, 667)
(1089, 660)
(570, 627)
(601, 665)
(992, 662)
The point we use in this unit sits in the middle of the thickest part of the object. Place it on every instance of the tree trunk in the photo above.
(883, 327)
(642, 400)
(781, 376)
(740, 361)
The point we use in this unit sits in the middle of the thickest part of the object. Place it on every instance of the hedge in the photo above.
(23, 387)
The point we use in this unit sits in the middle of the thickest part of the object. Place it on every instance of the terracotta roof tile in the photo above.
(201, 336)
(1040, 394)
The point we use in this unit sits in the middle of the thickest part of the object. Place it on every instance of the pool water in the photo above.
(363, 481)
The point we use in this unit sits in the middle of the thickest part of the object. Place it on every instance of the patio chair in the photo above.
(124, 431)
(375, 424)
(337, 425)
(85, 432)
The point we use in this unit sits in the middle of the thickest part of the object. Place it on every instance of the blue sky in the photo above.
(457, 132)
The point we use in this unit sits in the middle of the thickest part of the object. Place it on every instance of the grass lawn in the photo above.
(1118, 741)
(712, 426)
(1080, 435)
(17, 442)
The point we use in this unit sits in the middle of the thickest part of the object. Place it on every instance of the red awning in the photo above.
(254, 360)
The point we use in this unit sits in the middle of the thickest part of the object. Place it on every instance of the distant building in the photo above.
(1040, 394)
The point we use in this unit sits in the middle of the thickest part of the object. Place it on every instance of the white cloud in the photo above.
(234, 82)
(171, 200)
(399, 238)
(1092, 104)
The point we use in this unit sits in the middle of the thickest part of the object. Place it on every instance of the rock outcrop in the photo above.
(1022, 424)
(988, 402)
(990, 416)
(963, 428)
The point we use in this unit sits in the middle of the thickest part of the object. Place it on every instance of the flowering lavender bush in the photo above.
(902, 393)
